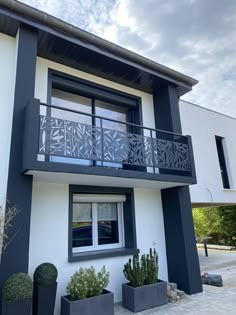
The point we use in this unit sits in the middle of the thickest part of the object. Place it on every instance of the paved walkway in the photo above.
(212, 300)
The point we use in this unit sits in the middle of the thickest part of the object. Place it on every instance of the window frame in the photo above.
(95, 246)
(129, 224)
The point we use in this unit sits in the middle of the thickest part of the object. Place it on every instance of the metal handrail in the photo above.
(110, 119)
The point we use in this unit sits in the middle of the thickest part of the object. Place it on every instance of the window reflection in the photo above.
(82, 232)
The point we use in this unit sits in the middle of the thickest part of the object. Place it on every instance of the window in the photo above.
(97, 222)
(101, 222)
(221, 156)
(74, 94)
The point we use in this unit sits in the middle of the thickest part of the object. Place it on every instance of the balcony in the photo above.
(55, 144)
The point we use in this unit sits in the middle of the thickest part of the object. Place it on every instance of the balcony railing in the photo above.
(139, 146)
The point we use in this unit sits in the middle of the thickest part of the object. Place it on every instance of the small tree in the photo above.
(7, 215)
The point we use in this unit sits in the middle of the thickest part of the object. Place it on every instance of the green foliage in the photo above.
(142, 271)
(86, 283)
(45, 274)
(228, 219)
(218, 223)
(17, 287)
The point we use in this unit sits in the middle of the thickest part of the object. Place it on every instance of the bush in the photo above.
(142, 272)
(45, 274)
(86, 283)
(17, 287)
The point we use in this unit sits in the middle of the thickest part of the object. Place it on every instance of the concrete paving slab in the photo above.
(213, 300)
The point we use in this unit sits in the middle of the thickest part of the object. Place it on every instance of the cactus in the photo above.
(142, 271)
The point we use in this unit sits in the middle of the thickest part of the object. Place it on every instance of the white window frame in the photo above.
(95, 199)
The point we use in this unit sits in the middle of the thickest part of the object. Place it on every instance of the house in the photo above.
(98, 164)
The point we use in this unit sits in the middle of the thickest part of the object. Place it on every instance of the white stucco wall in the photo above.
(7, 88)
(49, 234)
(203, 125)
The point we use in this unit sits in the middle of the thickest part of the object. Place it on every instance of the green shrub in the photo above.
(17, 287)
(142, 271)
(45, 274)
(86, 283)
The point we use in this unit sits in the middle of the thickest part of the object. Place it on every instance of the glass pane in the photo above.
(75, 102)
(71, 101)
(113, 112)
(82, 231)
(108, 228)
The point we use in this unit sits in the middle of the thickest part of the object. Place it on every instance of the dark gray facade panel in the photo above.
(166, 109)
(182, 257)
(19, 187)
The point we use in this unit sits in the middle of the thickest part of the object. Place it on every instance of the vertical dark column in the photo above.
(19, 187)
(182, 257)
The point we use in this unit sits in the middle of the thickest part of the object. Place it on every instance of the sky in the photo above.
(196, 37)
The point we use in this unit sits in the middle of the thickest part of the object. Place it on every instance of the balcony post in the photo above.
(181, 251)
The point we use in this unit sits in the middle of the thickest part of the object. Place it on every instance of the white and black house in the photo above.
(98, 165)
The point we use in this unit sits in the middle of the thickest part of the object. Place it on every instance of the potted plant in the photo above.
(17, 295)
(144, 289)
(87, 294)
(44, 289)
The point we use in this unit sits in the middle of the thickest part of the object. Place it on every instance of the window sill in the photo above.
(102, 254)
(229, 189)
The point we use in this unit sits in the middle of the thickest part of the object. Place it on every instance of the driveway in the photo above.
(212, 300)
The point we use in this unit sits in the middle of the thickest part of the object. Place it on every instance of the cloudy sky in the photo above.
(196, 37)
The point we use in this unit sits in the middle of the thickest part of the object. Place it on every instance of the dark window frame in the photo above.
(71, 84)
(130, 244)
(222, 162)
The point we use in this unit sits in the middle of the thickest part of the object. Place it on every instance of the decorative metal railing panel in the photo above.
(65, 138)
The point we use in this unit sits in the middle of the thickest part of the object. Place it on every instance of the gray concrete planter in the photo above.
(96, 305)
(145, 297)
(44, 299)
(16, 307)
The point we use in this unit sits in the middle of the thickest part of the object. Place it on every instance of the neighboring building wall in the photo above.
(7, 87)
(203, 125)
(49, 234)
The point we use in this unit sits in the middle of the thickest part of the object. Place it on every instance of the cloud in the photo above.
(196, 37)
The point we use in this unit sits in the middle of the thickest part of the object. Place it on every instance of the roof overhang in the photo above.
(66, 44)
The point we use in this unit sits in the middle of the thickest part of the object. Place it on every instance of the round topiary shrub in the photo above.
(18, 286)
(45, 274)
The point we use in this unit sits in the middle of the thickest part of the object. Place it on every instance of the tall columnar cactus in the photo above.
(142, 271)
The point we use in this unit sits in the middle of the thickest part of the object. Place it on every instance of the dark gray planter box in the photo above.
(145, 297)
(44, 299)
(96, 305)
(16, 307)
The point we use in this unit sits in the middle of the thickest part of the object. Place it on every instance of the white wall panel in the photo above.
(49, 235)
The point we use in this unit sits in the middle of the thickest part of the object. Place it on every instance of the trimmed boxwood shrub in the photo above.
(45, 274)
(18, 287)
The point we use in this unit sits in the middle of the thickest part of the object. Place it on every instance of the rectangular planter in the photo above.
(145, 297)
(96, 305)
(44, 299)
(16, 307)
